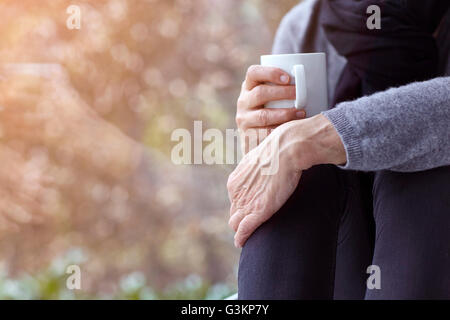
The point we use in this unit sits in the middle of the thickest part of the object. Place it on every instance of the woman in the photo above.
(318, 227)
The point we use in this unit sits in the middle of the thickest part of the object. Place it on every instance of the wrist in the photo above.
(318, 142)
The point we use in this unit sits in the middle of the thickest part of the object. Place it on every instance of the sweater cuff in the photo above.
(348, 136)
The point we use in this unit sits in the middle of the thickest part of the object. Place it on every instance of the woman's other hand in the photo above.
(251, 114)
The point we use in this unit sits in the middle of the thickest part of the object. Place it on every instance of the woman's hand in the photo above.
(251, 114)
(295, 146)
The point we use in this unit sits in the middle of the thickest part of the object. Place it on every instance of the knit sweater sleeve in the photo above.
(401, 129)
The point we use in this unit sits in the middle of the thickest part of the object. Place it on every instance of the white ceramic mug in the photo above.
(308, 71)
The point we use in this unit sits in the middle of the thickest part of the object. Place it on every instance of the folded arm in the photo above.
(401, 129)
(404, 129)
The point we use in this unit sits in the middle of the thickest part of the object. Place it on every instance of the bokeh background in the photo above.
(86, 118)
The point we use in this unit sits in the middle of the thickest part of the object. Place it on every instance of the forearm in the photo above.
(403, 129)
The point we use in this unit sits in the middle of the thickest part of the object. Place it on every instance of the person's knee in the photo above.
(315, 207)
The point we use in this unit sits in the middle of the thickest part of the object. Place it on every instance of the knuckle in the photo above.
(232, 224)
(239, 120)
(263, 117)
(257, 91)
(241, 102)
(259, 94)
(251, 70)
(245, 228)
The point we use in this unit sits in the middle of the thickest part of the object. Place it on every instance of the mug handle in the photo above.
(300, 85)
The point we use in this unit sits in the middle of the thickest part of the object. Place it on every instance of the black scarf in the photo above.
(402, 51)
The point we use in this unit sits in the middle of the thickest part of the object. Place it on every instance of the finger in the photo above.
(266, 117)
(247, 226)
(259, 74)
(236, 219)
(230, 188)
(233, 208)
(264, 93)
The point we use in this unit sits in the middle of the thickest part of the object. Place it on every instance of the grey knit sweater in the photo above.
(402, 129)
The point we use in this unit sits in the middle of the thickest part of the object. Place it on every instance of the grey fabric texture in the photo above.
(401, 129)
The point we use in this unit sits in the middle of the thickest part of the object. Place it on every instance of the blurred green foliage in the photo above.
(50, 284)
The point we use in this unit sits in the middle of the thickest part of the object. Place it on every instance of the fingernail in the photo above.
(284, 79)
(300, 114)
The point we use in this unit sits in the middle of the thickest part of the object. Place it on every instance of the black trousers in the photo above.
(338, 223)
